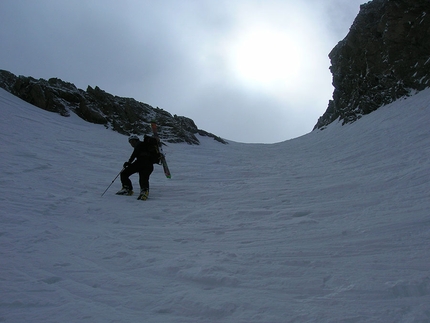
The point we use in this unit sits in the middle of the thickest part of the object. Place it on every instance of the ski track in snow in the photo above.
(333, 226)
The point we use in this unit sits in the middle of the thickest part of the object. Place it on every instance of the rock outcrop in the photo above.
(124, 115)
(385, 56)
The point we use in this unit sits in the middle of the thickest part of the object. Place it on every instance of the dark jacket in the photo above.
(141, 153)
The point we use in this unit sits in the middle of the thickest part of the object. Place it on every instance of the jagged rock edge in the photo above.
(123, 115)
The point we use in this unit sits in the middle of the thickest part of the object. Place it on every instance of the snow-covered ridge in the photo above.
(124, 115)
(330, 227)
(384, 57)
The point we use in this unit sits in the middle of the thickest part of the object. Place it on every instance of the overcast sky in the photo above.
(245, 70)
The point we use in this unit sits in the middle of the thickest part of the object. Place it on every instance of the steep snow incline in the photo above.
(333, 226)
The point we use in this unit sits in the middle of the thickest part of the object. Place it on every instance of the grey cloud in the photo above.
(168, 53)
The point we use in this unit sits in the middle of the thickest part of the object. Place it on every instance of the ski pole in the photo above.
(113, 181)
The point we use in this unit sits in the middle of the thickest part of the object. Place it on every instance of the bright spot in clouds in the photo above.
(236, 67)
(265, 57)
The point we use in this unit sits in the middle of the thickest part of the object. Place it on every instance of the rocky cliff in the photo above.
(124, 115)
(385, 56)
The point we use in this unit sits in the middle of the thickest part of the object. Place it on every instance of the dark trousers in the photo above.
(144, 170)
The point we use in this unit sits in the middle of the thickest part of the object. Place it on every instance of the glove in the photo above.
(126, 164)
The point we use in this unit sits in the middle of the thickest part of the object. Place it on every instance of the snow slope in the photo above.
(333, 226)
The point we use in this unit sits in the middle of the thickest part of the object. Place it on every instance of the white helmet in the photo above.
(133, 137)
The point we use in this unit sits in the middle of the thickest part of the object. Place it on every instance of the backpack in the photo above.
(154, 152)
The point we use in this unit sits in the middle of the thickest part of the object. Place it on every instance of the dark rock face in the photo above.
(124, 115)
(385, 56)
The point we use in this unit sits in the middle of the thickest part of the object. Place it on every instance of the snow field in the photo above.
(333, 226)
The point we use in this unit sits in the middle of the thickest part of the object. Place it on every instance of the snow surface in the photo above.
(333, 226)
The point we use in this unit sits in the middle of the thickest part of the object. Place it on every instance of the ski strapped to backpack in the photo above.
(160, 150)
